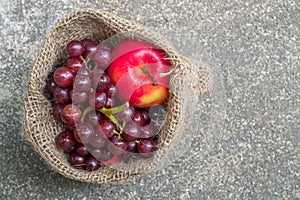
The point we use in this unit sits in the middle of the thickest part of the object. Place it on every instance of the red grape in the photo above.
(75, 64)
(146, 117)
(71, 114)
(90, 48)
(109, 103)
(85, 41)
(75, 48)
(63, 77)
(70, 128)
(102, 57)
(96, 73)
(83, 71)
(76, 136)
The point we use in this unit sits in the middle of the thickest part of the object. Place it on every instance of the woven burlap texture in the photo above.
(39, 126)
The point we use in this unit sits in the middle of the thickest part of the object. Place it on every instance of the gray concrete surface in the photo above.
(254, 153)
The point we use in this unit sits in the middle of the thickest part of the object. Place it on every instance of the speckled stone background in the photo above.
(246, 145)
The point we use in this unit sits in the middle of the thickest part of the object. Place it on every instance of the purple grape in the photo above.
(65, 141)
(61, 95)
(81, 149)
(50, 86)
(77, 160)
(126, 115)
(146, 147)
(117, 146)
(82, 83)
(92, 164)
(57, 109)
(79, 97)
(131, 132)
(138, 118)
(94, 117)
(102, 154)
(97, 100)
(110, 90)
(84, 132)
(147, 131)
(84, 72)
(97, 141)
(101, 83)
(132, 146)
(106, 128)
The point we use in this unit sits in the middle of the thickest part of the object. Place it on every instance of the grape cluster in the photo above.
(99, 130)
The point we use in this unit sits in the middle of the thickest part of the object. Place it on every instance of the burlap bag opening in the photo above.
(39, 126)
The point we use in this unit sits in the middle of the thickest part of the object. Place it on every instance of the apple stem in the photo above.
(166, 74)
(146, 70)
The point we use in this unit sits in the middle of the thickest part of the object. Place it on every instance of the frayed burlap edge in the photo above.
(40, 128)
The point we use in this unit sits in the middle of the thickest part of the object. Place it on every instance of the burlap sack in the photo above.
(188, 81)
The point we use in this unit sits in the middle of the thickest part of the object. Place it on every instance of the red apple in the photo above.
(136, 71)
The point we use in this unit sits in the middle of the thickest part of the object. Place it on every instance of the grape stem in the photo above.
(88, 109)
(108, 112)
(86, 62)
